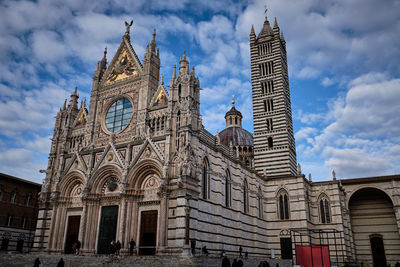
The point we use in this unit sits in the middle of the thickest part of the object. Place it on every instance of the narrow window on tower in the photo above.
(265, 106)
(270, 86)
(270, 142)
(269, 124)
(179, 91)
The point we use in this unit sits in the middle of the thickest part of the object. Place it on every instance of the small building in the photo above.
(19, 209)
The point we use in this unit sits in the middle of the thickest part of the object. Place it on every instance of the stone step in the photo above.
(27, 260)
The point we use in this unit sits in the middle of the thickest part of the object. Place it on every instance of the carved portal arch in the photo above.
(106, 179)
(146, 173)
(72, 185)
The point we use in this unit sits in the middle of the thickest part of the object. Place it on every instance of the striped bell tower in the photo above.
(274, 145)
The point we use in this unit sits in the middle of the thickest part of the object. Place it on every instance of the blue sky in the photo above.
(343, 61)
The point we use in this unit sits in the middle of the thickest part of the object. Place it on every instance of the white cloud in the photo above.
(327, 82)
(20, 163)
(364, 130)
(304, 133)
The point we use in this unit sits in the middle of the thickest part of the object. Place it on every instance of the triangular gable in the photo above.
(77, 163)
(110, 155)
(125, 64)
(148, 150)
(161, 97)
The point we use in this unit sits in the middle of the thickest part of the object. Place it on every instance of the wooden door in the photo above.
(108, 229)
(148, 232)
(378, 251)
(72, 233)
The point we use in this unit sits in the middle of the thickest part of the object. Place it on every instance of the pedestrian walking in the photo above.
(60, 263)
(37, 263)
(131, 247)
(225, 262)
(240, 251)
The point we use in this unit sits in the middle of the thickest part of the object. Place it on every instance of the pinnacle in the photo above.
(276, 24)
(174, 71)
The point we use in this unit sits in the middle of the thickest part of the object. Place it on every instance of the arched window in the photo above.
(205, 180)
(283, 205)
(28, 199)
(13, 196)
(230, 121)
(245, 196)
(260, 203)
(179, 91)
(324, 209)
(228, 183)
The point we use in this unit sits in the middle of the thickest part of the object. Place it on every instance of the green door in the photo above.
(108, 229)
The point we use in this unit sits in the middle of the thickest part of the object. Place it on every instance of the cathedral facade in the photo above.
(139, 165)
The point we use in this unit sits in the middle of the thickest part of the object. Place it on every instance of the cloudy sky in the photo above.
(343, 60)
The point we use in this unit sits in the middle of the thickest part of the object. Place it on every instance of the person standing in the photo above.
(74, 247)
(193, 246)
(131, 247)
(226, 262)
(37, 263)
(117, 247)
(60, 263)
(240, 251)
(112, 247)
(78, 247)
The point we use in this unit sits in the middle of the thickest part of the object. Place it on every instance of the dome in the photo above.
(237, 135)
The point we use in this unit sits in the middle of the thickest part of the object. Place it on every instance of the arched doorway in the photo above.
(374, 227)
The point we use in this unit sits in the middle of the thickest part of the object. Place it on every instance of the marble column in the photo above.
(82, 226)
(163, 223)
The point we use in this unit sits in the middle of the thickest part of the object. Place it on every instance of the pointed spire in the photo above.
(282, 38)
(252, 30)
(162, 80)
(193, 70)
(73, 102)
(153, 42)
(333, 175)
(266, 30)
(184, 64)
(65, 104)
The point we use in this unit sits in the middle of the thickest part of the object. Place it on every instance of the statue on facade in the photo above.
(128, 27)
